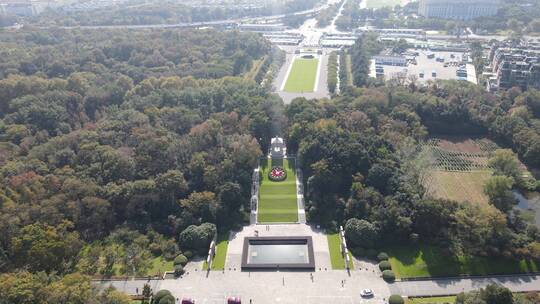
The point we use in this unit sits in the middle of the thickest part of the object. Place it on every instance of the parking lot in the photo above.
(427, 69)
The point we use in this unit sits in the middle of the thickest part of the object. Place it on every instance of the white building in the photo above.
(457, 9)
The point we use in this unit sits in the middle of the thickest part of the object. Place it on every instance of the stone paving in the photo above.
(435, 287)
(269, 287)
(320, 244)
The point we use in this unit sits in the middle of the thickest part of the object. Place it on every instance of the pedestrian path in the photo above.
(440, 287)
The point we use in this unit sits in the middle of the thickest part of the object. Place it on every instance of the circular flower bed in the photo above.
(277, 174)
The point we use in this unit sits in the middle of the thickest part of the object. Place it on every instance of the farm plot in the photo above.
(459, 168)
(458, 186)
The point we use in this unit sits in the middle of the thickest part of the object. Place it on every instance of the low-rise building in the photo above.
(457, 9)
(390, 59)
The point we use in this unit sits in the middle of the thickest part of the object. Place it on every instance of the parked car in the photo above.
(187, 301)
(234, 300)
(366, 293)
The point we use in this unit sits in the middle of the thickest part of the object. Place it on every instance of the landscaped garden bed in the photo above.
(278, 200)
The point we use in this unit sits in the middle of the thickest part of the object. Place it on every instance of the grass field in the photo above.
(432, 300)
(334, 246)
(218, 262)
(277, 202)
(459, 186)
(160, 265)
(302, 76)
(382, 3)
(426, 261)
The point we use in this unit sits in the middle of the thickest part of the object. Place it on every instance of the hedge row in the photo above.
(332, 72)
(343, 77)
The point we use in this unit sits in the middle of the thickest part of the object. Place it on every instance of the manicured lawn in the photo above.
(302, 76)
(427, 261)
(160, 265)
(218, 262)
(382, 3)
(432, 300)
(334, 247)
(277, 201)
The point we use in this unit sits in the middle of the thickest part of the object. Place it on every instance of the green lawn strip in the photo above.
(218, 261)
(429, 261)
(336, 259)
(278, 202)
(382, 3)
(302, 76)
(432, 300)
(159, 265)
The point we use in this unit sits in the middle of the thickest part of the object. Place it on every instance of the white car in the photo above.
(366, 293)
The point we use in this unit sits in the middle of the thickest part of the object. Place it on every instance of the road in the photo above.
(297, 287)
(208, 23)
(269, 287)
(440, 287)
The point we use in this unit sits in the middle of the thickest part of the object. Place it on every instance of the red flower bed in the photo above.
(277, 174)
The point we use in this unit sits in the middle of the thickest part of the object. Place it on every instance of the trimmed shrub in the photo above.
(160, 295)
(389, 276)
(178, 270)
(332, 72)
(188, 254)
(180, 260)
(383, 256)
(396, 299)
(385, 265)
(168, 299)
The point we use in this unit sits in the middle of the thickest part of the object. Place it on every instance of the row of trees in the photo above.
(325, 17)
(332, 72)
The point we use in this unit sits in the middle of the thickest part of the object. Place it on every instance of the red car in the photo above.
(187, 301)
(234, 300)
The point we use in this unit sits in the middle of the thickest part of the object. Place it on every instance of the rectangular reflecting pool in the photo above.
(278, 253)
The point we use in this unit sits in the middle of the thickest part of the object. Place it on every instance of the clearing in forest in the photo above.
(302, 76)
(458, 168)
(278, 201)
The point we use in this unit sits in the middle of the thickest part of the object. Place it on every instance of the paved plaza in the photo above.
(436, 287)
(270, 287)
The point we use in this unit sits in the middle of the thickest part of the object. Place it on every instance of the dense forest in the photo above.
(120, 146)
(358, 153)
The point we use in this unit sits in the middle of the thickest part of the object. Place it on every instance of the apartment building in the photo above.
(514, 66)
